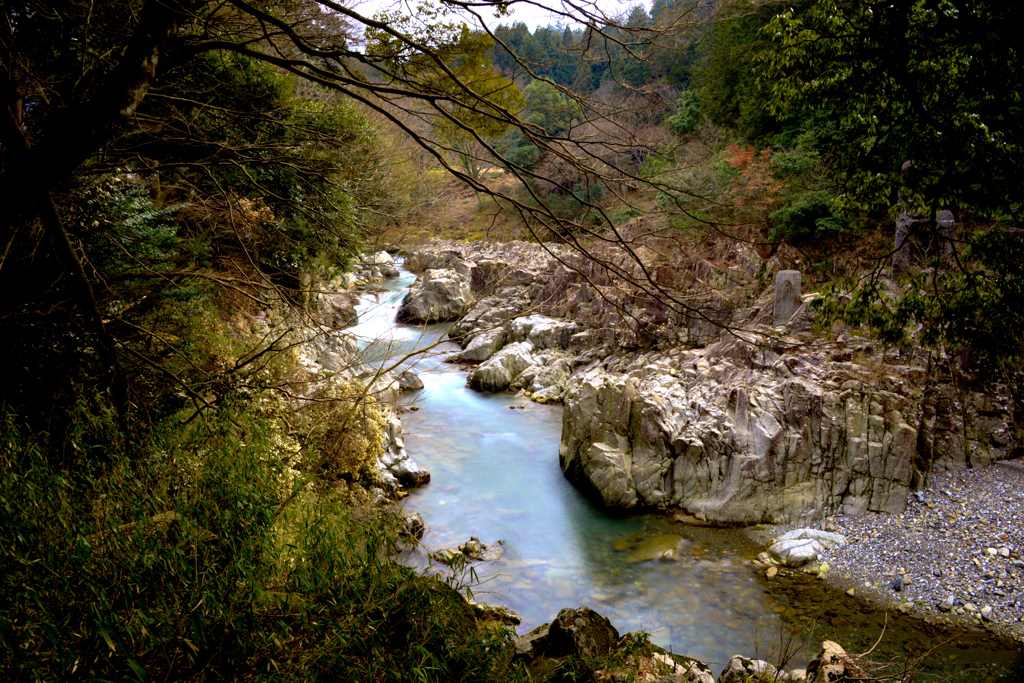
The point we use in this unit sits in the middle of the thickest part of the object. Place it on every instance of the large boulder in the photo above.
(545, 381)
(482, 346)
(581, 632)
(800, 546)
(543, 332)
(498, 373)
(439, 295)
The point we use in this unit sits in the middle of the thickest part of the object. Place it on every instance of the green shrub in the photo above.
(186, 565)
(687, 117)
(807, 215)
(345, 430)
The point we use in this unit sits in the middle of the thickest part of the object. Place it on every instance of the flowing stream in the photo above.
(493, 460)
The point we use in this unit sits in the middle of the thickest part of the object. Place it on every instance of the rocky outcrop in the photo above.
(438, 296)
(394, 464)
(737, 433)
(744, 432)
(758, 425)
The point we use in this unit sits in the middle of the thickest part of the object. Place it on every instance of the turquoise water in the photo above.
(495, 475)
(494, 470)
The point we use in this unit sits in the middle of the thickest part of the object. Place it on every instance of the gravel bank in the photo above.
(958, 547)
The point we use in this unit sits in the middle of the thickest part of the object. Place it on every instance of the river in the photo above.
(495, 475)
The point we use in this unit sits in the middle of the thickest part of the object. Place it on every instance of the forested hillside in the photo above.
(183, 184)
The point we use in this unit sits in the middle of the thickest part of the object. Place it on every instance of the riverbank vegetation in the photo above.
(178, 178)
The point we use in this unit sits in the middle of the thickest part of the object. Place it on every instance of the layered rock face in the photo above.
(737, 433)
(749, 424)
(741, 433)
(438, 296)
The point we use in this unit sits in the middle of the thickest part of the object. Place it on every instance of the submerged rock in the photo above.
(655, 548)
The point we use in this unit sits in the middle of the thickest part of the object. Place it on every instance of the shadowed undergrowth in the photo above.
(183, 564)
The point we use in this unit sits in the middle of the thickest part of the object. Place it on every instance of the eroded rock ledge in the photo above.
(709, 409)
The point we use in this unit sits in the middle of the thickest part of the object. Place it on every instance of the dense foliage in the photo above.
(188, 567)
(926, 95)
(174, 173)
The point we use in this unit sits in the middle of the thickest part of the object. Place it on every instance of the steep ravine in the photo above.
(495, 476)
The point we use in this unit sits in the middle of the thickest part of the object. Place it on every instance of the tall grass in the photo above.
(185, 564)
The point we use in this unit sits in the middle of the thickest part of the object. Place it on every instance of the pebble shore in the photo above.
(954, 556)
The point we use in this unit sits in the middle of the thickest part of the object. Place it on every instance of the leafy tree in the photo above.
(469, 129)
(727, 73)
(687, 116)
(937, 83)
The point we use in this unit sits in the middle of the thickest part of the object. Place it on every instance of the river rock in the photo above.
(798, 547)
(497, 373)
(335, 351)
(581, 632)
(831, 664)
(494, 613)
(743, 669)
(482, 346)
(409, 381)
(691, 672)
(827, 539)
(410, 474)
(473, 550)
(382, 261)
(394, 465)
(543, 332)
(545, 381)
(412, 525)
(796, 552)
(433, 258)
(437, 296)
